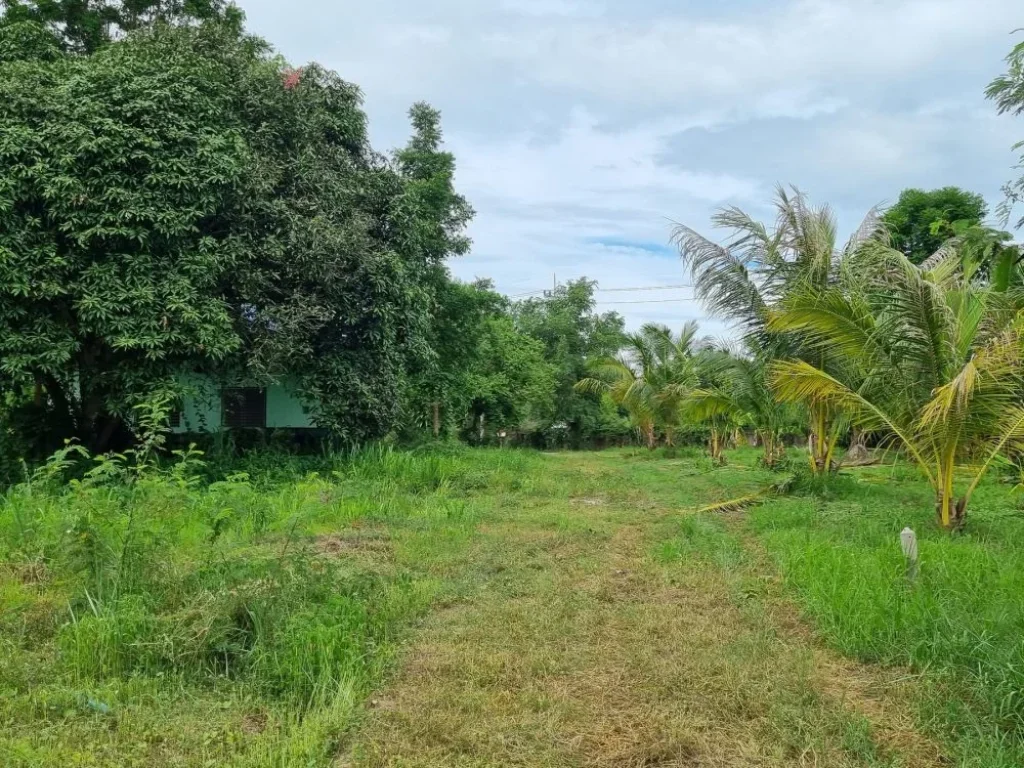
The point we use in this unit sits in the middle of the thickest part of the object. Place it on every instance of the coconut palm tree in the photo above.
(740, 394)
(759, 266)
(651, 379)
(937, 358)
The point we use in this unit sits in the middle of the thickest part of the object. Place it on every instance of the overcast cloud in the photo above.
(582, 128)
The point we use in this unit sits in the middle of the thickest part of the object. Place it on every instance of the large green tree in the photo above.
(921, 221)
(115, 170)
(179, 200)
(337, 293)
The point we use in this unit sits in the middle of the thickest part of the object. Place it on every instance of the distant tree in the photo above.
(920, 222)
(735, 391)
(426, 223)
(656, 373)
(1007, 91)
(573, 335)
(510, 380)
(439, 389)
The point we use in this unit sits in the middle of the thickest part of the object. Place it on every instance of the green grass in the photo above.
(168, 623)
(508, 608)
(960, 624)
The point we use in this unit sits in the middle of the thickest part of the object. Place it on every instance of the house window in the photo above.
(245, 408)
(174, 418)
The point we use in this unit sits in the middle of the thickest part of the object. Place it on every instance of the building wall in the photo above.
(202, 409)
(285, 410)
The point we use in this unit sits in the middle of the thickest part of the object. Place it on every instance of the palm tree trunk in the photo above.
(820, 445)
(649, 434)
(950, 511)
(716, 447)
(768, 445)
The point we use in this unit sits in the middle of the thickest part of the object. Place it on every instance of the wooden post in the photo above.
(908, 542)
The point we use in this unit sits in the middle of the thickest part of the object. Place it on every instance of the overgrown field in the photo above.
(484, 608)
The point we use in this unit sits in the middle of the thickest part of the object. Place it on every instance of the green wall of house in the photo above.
(202, 408)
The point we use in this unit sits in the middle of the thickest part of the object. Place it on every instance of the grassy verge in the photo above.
(161, 622)
(959, 627)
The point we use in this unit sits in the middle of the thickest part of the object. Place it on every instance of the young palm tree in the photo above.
(938, 360)
(651, 379)
(740, 394)
(745, 279)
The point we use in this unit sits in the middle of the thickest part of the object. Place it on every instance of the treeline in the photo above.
(176, 198)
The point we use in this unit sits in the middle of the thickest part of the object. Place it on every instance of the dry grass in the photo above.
(581, 646)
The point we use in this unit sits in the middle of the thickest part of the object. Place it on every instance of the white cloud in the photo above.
(585, 165)
(816, 44)
(581, 121)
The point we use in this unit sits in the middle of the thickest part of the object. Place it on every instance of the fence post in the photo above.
(908, 542)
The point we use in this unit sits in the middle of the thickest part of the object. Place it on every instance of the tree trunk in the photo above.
(716, 448)
(951, 513)
(770, 454)
(59, 398)
(481, 428)
(819, 444)
(649, 434)
(435, 407)
(101, 441)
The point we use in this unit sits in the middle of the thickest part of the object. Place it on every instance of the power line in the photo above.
(650, 301)
(645, 288)
(611, 290)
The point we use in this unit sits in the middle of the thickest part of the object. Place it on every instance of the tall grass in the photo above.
(960, 622)
(139, 581)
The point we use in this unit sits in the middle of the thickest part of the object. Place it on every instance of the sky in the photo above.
(582, 129)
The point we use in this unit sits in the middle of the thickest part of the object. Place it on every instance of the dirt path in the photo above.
(599, 634)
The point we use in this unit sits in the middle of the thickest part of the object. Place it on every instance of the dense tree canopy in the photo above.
(116, 171)
(920, 222)
(573, 334)
(177, 200)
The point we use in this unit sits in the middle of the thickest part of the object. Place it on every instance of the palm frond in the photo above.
(798, 381)
(722, 280)
(734, 505)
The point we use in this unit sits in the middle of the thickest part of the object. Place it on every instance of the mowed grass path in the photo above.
(596, 621)
(477, 608)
